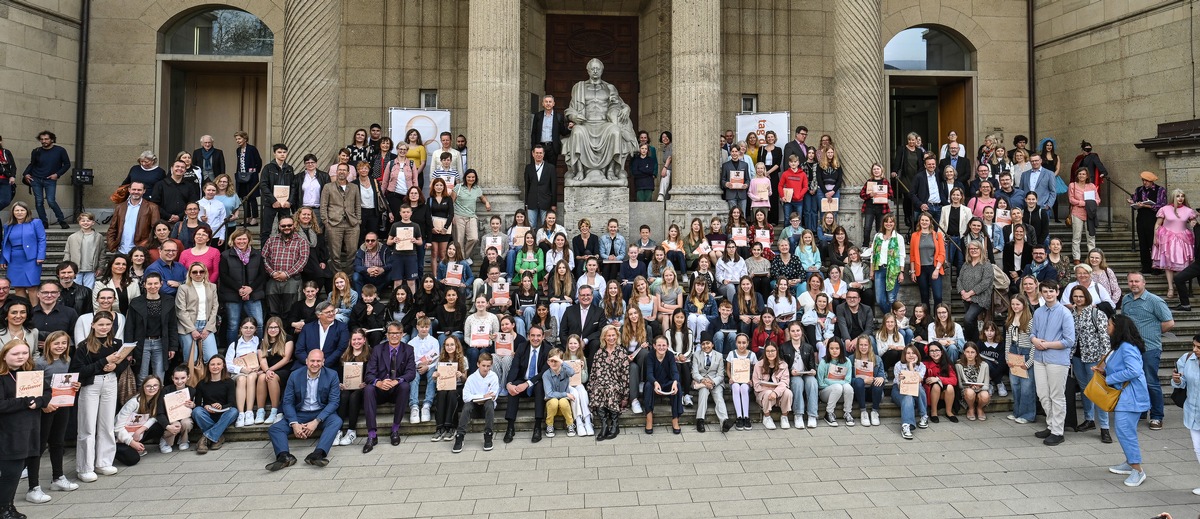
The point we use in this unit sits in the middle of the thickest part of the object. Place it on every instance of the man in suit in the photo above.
(525, 381)
(548, 129)
(210, 159)
(708, 376)
(585, 320)
(310, 402)
(390, 371)
(341, 212)
(961, 165)
(132, 222)
(541, 194)
(1040, 181)
(326, 334)
(929, 190)
(735, 194)
(797, 146)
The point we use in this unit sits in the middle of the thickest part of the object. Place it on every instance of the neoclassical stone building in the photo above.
(160, 73)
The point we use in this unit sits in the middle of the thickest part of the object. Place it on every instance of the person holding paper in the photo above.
(792, 188)
(833, 378)
(310, 403)
(215, 409)
(1084, 198)
(388, 373)
(21, 417)
(480, 329)
(906, 391)
(1017, 347)
(735, 177)
(739, 363)
(481, 389)
(441, 212)
(772, 386)
(449, 370)
(245, 366)
(580, 408)
(181, 426)
(137, 424)
(99, 360)
(408, 239)
(55, 361)
(454, 271)
(875, 194)
(425, 351)
(351, 399)
(868, 379)
(275, 188)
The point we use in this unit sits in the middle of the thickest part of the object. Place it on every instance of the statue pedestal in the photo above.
(596, 201)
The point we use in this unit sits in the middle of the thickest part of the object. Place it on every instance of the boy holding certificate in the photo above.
(405, 236)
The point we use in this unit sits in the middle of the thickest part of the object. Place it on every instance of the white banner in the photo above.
(429, 123)
(778, 122)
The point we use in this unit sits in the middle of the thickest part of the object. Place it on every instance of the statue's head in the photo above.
(595, 68)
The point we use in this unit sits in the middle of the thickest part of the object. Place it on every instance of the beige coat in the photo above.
(187, 307)
(339, 206)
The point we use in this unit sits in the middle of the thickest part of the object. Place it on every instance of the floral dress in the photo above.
(608, 386)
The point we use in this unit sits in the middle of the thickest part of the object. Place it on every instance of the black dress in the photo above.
(443, 209)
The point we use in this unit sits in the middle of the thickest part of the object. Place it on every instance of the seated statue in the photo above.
(603, 137)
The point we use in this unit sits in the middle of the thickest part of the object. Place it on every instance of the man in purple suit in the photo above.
(390, 370)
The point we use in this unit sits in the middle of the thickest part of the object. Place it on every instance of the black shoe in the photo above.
(370, 444)
(317, 458)
(1105, 437)
(934, 419)
(283, 460)
(458, 441)
(1182, 308)
(953, 419)
(676, 430)
(727, 425)
(1053, 439)
(509, 433)
(10, 512)
(700, 425)
(487, 440)
(602, 431)
(1044, 433)
(537, 432)
(1087, 425)
(614, 425)
(649, 430)
(396, 437)
(63, 224)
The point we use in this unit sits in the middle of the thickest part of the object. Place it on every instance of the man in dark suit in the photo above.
(210, 159)
(548, 129)
(304, 413)
(961, 165)
(585, 320)
(325, 334)
(926, 199)
(525, 381)
(389, 373)
(540, 187)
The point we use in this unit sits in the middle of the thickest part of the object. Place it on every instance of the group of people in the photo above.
(329, 320)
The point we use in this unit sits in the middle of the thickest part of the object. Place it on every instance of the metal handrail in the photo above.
(1133, 237)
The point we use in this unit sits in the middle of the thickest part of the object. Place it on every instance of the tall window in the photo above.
(220, 32)
(922, 48)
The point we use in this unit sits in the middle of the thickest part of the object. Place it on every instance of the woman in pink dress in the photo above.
(1173, 238)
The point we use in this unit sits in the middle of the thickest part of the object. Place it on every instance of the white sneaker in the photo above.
(24, 473)
(865, 418)
(36, 496)
(784, 423)
(278, 417)
(906, 431)
(260, 416)
(799, 422)
(425, 417)
(241, 421)
(107, 471)
(637, 407)
(1196, 491)
(687, 400)
(831, 420)
(812, 422)
(184, 445)
(570, 430)
(1020, 420)
(768, 423)
(588, 425)
(1011, 417)
(414, 414)
(875, 418)
(337, 440)
(549, 431)
(849, 418)
(88, 477)
(349, 437)
(1001, 390)
(164, 447)
(63, 484)
(271, 417)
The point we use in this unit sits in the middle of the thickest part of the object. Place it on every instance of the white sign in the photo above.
(778, 122)
(430, 123)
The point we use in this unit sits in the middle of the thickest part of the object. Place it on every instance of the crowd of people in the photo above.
(340, 311)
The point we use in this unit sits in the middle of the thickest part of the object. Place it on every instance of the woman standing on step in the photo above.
(24, 250)
(1173, 238)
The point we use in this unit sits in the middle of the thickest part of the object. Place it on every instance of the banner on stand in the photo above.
(429, 123)
(760, 123)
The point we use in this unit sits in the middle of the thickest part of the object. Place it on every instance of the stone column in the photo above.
(493, 93)
(312, 44)
(695, 108)
(858, 88)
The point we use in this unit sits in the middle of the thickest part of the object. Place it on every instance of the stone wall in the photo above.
(654, 74)
(1109, 71)
(39, 53)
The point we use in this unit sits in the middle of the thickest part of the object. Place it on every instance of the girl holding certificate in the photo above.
(906, 391)
(99, 361)
(20, 417)
(739, 363)
(833, 377)
(55, 360)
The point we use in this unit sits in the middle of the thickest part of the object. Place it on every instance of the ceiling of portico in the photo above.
(595, 7)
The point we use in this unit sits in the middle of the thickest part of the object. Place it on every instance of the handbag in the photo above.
(1100, 393)
(121, 195)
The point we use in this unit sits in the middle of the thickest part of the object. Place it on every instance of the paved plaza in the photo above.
(970, 469)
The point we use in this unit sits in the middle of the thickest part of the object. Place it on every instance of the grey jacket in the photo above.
(714, 372)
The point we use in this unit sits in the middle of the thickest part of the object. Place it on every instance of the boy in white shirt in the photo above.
(480, 389)
(425, 351)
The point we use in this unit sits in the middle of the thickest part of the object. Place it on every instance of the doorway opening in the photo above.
(932, 89)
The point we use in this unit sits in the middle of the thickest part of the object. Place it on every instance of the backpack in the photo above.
(1000, 280)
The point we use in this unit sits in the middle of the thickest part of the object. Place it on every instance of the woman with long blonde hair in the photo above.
(1173, 238)
(276, 355)
(343, 297)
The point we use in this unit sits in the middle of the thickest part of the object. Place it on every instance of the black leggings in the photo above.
(10, 477)
(349, 407)
(445, 407)
(129, 456)
(54, 434)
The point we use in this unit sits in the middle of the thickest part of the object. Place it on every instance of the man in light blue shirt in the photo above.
(1053, 338)
(129, 226)
(1152, 317)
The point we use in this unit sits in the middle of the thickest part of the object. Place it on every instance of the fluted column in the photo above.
(493, 91)
(858, 88)
(695, 96)
(312, 44)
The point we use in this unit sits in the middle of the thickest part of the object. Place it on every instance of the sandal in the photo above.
(982, 417)
(971, 416)
(1170, 293)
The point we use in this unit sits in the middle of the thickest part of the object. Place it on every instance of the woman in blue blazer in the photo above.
(24, 249)
(1122, 369)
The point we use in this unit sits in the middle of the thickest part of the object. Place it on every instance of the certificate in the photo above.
(504, 343)
(352, 374)
(910, 383)
(738, 235)
(577, 369)
(737, 178)
(763, 236)
(500, 293)
(1089, 195)
(493, 242)
(836, 372)
(878, 192)
(718, 245)
(454, 275)
(62, 394)
(740, 371)
(281, 193)
(1003, 217)
(126, 350)
(439, 224)
(29, 383)
(176, 403)
(247, 361)
(447, 376)
(702, 248)
(786, 195)
(518, 236)
(829, 205)
(864, 368)
(404, 239)
(481, 336)
(137, 421)
(1019, 370)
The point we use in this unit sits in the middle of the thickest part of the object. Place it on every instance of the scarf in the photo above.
(243, 255)
(1036, 268)
(206, 158)
(893, 260)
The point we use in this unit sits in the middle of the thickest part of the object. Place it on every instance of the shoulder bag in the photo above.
(1179, 395)
(1100, 393)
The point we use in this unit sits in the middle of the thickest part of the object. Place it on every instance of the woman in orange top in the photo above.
(928, 253)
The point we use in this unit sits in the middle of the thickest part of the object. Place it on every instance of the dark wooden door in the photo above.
(572, 41)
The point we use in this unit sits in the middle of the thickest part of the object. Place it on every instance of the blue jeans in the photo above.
(1126, 429)
(910, 406)
(46, 189)
(954, 251)
(380, 282)
(1083, 375)
(804, 396)
(786, 210)
(207, 349)
(884, 297)
(812, 210)
(430, 389)
(1024, 394)
(925, 282)
(724, 341)
(233, 318)
(153, 360)
(1150, 360)
(935, 210)
(212, 428)
(280, 430)
(87, 279)
(861, 391)
(535, 216)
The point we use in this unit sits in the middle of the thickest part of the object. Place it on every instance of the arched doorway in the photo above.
(215, 70)
(932, 88)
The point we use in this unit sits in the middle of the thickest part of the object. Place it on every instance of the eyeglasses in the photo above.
(395, 333)
(194, 272)
(169, 251)
(151, 386)
(281, 226)
(49, 293)
(368, 241)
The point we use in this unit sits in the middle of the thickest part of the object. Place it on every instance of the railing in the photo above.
(1133, 237)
